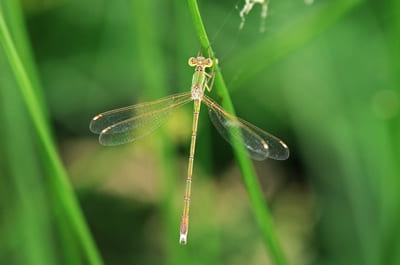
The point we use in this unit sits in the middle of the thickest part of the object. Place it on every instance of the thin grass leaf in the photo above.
(15, 18)
(70, 251)
(25, 209)
(260, 208)
(58, 180)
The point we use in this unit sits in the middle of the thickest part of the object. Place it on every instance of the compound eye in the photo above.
(192, 61)
(209, 62)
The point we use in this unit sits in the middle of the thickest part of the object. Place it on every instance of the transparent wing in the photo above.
(259, 144)
(127, 124)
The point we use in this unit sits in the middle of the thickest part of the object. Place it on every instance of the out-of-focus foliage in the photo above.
(323, 77)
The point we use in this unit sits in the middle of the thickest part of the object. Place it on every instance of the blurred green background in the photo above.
(324, 77)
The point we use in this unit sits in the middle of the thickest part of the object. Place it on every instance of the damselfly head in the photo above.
(200, 61)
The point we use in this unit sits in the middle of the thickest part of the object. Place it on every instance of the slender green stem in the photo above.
(70, 252)
(260, 208)
(16, 25)
(58, 180)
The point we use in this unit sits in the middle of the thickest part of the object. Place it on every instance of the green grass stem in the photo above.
(25, 210)
(250, 180)
(17, 28)
(58, 180)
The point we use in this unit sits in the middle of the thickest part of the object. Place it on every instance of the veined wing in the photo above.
(259, 144)
(127, 124)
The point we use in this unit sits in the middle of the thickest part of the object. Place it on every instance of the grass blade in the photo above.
(261, 211)
(58, 180)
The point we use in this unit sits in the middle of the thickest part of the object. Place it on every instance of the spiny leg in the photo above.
(210, 77)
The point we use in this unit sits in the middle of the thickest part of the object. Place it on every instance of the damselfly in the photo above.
(130, 123)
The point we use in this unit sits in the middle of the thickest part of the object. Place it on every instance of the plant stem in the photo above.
(59, 180)
(250, 180)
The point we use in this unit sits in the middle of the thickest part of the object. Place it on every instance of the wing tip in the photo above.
(97, 117)
(92, 125)
(105, 130)
(286, 148)
(265, 145)
(283, 144)
(104, 139)
(282, 154)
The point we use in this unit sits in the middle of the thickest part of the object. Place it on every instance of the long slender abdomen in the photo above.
(186, 201)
